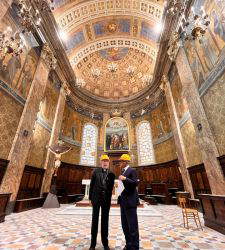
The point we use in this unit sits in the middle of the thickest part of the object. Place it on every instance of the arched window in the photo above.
(144, 142)
(89, 145)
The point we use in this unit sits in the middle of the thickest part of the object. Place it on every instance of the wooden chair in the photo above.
(189, 213)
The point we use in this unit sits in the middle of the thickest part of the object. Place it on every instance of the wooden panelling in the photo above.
(199, 180)
(3, 166)
(69, 178)
(31, 182)
(27, 204)
(213, 207)
(222, 163)
(4, 199)
(160, 173)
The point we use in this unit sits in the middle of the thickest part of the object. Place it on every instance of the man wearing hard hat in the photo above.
(100, 193)
(128, 200)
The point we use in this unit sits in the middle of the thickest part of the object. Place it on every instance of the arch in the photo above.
(145, 148)
(106, 43)
(85, 12)
(89, 145)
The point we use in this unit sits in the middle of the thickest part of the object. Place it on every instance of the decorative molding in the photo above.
(70, 141)
(217, 72)
(113, 42)
(13, 93)
(163, 138)
(147, 109)
(41, 121)
(84, 111)
(87, 11)
(184, 119)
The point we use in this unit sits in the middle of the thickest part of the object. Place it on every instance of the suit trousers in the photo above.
(129, 222)
(104, 223)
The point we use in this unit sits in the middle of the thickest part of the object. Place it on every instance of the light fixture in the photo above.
(95, 72)
(80, 82)
(112, 67)
(130, 70)
(194, 28)
(10, 44)
(190, 29)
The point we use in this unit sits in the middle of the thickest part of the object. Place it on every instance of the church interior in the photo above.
(80, 78)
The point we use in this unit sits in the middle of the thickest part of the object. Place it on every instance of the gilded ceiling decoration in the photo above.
(112, 45)
(115, 73)
(77, 12)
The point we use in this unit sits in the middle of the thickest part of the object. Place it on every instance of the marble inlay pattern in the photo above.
(43, 229)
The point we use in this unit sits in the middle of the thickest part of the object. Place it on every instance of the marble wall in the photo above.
(214, 105)
(41, 136)
(191, 147)
(10, 113)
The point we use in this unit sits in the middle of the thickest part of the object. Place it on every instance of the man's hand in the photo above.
(122, 178)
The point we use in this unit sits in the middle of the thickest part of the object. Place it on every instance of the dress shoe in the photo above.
(92, 248)
(106, 248)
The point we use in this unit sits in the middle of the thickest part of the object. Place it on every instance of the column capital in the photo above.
(48, 57)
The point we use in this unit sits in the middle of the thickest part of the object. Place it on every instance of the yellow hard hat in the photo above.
(125, 157)
(104, 157)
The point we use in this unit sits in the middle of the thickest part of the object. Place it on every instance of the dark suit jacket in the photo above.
(129, 196)
(97, 186)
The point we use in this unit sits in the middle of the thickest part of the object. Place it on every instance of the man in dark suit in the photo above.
(128, 200)
(100, 194)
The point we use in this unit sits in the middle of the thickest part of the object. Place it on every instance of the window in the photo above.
(89, 145)
(144, 143)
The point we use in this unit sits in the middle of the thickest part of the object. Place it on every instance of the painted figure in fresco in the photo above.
(12, 67)
(161, 130)
(26, 78)
(219, 24)
(108, 142)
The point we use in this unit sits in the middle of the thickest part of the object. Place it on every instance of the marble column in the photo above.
(180, 148)
(203, 131)
(49, 162)
(22, 140)
(4, 6)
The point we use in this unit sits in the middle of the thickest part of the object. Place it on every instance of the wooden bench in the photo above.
(27, 204)
(4, 199)
(151, 200)
(161, 193)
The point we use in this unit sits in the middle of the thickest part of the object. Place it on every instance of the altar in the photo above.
(87, 182)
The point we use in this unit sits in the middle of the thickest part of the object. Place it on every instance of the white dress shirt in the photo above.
(120, 183)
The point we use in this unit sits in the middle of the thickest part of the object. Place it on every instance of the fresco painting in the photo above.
(116, 135)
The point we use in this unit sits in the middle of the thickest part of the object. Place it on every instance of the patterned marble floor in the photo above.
(44, 229)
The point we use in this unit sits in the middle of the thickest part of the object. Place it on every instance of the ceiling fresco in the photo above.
(112, 45)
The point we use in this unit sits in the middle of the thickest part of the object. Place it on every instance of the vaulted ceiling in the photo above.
(112, 45)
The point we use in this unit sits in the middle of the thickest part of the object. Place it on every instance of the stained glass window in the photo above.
(144, 142)
(89, 145)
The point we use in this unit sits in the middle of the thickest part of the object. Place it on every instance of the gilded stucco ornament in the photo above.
(48, 57)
